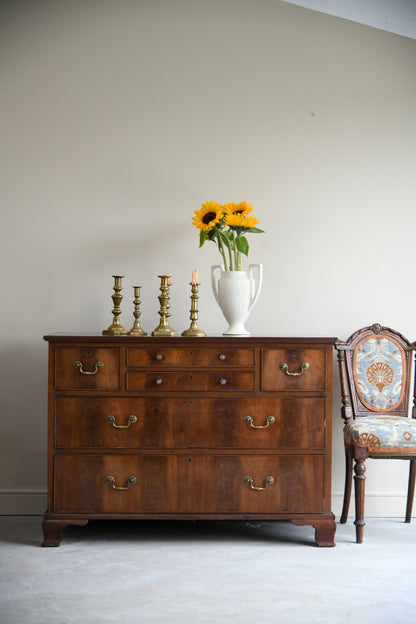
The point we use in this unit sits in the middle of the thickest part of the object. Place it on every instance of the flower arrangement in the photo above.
(226, 225)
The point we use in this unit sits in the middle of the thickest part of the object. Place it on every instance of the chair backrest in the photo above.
(375, 368)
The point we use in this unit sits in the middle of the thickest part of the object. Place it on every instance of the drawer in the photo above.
(188, 484)
(165, 381)
(294, 369)
(87, 368)
(99, 422)
(163, 357)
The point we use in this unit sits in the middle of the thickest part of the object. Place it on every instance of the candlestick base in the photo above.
(193, 331)
(164, 331)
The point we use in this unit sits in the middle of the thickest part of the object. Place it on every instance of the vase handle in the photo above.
(214, 282)
(256, 290)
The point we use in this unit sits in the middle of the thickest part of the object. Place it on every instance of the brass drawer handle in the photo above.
(270, 420)
(304, 366)
(222, 357)
(111, 481)
(158, 381)
(131, 420)
(267, 481)
(223, 381)
(98, 366)
(159, 356)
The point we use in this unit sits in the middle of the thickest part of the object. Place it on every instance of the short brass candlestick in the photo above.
(194, 329)
(164, 329)
(137, 329)
(116, 329)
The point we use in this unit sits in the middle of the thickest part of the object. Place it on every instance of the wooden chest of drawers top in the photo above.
(190, 365)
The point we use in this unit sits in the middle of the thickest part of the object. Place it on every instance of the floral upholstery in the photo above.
(382, 433)
(378, 366)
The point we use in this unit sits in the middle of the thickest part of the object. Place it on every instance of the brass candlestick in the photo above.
(116, 329)
(164, 329)
(137, 329)
(194, 329)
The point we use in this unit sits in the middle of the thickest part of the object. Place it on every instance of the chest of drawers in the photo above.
(192, 428)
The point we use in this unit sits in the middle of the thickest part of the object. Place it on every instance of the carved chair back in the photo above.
(376, 369)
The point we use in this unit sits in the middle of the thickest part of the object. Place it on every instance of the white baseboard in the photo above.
(32, 502)
(377, 505)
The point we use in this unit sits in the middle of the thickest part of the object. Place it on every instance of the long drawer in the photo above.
(189, 357)
(102, 422)
(188, 484)
(178, 381)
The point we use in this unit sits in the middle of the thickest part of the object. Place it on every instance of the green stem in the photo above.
(221, 248)
(237, 255)
(231, 258)
(234, 252)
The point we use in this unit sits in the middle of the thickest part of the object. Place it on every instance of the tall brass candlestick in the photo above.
(116, 329)
(137, 329)
(164, 329)
(194, 329)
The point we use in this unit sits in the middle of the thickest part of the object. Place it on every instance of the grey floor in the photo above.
(205, 573)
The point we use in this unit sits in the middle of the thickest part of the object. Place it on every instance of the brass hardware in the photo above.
(164, 329)
(193, 329)
(223, 381)
(304, 366)
(267, 481)
(111, 481)
(137, 329)
(158, 381)
(270, 420)
(131, 420)
(159, 356)
(116, 329)
(98, 366)
(222, 357)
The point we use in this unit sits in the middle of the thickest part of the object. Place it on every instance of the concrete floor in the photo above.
(205, 573)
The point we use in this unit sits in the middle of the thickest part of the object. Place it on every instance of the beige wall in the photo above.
(118, 119)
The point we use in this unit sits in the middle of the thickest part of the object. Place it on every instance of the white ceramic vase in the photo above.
(236, 293)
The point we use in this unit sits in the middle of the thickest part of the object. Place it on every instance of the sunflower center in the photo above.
(210, 216)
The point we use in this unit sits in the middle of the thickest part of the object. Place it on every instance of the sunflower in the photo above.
(243, 208)
(229, 208)
(240, 220)
(209, 215)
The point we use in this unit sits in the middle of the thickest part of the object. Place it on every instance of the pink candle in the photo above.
(195, 277)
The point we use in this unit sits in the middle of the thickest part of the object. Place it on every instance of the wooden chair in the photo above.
(375, 368)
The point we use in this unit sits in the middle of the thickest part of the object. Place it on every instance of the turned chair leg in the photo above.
(410, 490)
(359, 481)
(348, 485)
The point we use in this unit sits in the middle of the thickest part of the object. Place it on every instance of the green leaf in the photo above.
(255, 230)
(242, 245)
(202, 237)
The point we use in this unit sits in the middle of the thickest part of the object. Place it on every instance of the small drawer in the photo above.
(154, 422)
(166, 357)
(293, 369)
(189, 484)
(87, 368)
(166, 381)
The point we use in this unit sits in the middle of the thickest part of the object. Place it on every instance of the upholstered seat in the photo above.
(376, 368)
(381, 434)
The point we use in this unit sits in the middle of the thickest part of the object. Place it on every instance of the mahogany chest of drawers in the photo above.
(192, 428)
